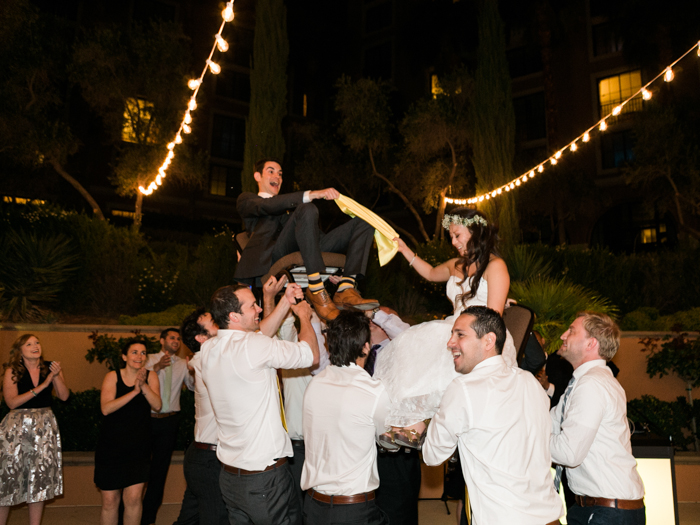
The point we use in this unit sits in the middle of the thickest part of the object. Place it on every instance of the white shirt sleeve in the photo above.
(390, 323)
(447, 425)
(550, 390)
(323, 358)
(306, 199)
(570, 442)
(266, 352)
(381, 412)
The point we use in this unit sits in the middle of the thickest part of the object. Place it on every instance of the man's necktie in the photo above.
(371, 359)
(282, 416)
(167, 388)
(560, 469)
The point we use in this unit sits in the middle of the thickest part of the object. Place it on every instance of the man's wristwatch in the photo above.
(374, 312)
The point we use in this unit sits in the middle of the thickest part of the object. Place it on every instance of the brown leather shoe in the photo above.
(321, 301)
(351, 298)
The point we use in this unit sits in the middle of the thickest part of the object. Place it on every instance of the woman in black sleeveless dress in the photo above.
(30, 444)
(122, 455)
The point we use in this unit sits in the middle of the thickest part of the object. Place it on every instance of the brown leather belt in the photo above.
(341, 500)
(204, 446)
(158, 415)
(243, 472)
(624, 504)
(555, 522)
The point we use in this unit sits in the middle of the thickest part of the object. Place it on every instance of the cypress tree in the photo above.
(268, 88)
(493, 122)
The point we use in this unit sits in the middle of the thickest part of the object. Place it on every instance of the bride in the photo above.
(416, 366)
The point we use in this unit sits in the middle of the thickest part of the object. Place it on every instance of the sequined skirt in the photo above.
(30, 457)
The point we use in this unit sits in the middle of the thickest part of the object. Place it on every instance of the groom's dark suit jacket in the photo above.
(263, 219)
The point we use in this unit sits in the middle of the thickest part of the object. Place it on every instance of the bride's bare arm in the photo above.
(498, 282)
(439, 273)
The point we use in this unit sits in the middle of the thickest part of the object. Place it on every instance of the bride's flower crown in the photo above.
(462, 221)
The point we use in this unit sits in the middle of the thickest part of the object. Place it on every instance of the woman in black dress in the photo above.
(122, 455)
(30, 445)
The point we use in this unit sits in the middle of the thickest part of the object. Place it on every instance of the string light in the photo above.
(194, 84)
(668, 74)
(602, 125)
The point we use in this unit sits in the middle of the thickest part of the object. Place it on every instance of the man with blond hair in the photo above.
(590, 435)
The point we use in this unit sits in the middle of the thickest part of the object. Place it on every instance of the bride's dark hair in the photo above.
(482, 243)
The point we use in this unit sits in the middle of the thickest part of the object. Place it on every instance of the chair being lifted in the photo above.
(519, 320)
(292, 265)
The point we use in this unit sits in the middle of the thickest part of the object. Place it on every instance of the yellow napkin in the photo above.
(383, 233)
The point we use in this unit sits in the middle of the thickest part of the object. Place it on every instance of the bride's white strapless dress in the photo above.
(416, 366)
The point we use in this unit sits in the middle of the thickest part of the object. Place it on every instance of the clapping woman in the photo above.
(30, 444)
(122, 456)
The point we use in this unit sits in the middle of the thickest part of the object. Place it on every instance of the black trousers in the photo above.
(202, 502)
(163, 436)
(605, 516)
(296, 465)
(301, 233)
(268, 498)
(319, 513)
(399, 485)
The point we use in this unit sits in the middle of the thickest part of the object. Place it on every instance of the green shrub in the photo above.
(556, 303)
(173, 316)
(664, 418)
(79, 419)
(33, 271)
(648, 319)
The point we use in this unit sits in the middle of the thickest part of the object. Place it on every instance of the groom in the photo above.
(282, 224)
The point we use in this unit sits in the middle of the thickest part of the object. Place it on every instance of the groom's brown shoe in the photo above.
(321, 301)
(351, 298)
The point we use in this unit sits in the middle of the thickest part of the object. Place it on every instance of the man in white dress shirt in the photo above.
(202, 502)
(172, 373)
(344, 412)
(591, 437)
(239, 368)
(497, 416)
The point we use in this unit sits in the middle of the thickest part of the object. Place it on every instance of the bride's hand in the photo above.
(405, 250)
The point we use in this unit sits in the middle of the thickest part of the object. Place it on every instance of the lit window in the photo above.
(124, 213)
(137, 121)
(648, 235)
(435, 87)
(217, 182)
(613, 90)
(22, 200)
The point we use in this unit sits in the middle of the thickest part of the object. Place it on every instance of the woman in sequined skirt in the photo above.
(30, 445)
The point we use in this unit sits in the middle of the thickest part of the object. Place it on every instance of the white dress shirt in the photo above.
(344, 411)
(180, 374)
(239, 371)
(593, 442)
(296, 381)
(205, 430)
(498, 416)
(305, 199)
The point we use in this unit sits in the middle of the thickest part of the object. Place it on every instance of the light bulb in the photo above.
(646, 94)
(507, 188)
(574, 147)
(481, 198)
(494, 193)
(143, 190)
(586, 137)
(525, 178)
(488, 196)
(699, 49)
(158, 180)
(512, 185)
(194, 84)
(178, 139)
(227, 13)
(517, 182)
(152, 186)
(170, 155)
(161, 171)
(193, 104)
(558, 154)
(603, 125)
(500, 190)
(668, 75)
(532, 174)
(188, 118)
(553, 161)
(221, 44)
(214, 67)
(617, 111)
(540, 168)
(186, 128)
(171, 145)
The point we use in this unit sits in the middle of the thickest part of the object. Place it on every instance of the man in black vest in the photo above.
(282, 224)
